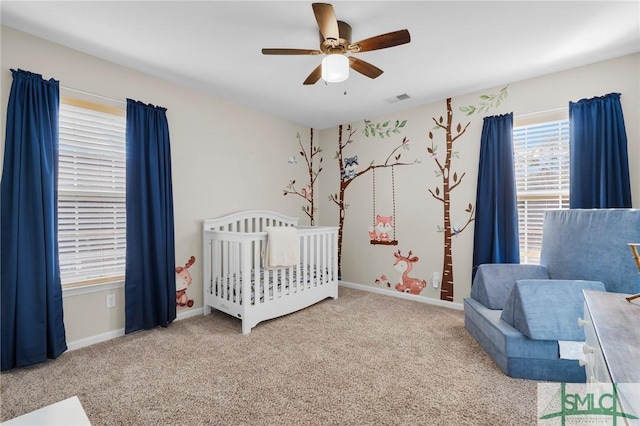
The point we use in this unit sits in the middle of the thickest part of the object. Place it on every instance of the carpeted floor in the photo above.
(363, 359)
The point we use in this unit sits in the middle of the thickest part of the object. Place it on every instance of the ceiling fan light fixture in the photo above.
(335, 68)
(335, 42)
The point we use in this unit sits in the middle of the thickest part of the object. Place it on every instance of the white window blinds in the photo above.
(541, 160)
(91, 193)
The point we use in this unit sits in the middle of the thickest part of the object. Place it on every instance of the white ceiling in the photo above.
(456, 47)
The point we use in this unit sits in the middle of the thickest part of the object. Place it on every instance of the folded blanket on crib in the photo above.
(282, 248)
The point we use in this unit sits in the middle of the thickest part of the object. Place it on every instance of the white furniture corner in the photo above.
(612, 345)
(68, 412)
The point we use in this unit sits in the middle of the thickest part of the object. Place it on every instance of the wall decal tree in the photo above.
(450, 181)
(348, 175)
(306, 191)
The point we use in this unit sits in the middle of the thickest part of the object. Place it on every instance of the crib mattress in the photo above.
(277, 280)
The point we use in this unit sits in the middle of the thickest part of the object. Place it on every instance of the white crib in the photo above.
(232, 248)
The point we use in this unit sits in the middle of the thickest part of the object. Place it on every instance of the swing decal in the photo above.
(383, 226)
(379, 233)
(348, 173)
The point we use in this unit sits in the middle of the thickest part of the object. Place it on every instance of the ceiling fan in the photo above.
(335, 42)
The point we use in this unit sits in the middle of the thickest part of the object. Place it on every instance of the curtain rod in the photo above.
(542, 111)
(119, 101)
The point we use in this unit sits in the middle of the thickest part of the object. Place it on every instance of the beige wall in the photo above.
(227, 157)
(418, 213)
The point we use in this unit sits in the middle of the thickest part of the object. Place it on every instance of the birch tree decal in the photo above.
(306, 191)
(349, 173)
(451, 180)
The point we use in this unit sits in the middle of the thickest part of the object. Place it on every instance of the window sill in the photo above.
(92, 288)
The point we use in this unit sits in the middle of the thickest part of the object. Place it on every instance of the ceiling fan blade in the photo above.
(314, 76)
(327, 22)
(290, 52)
(364, 68)
(381, 41)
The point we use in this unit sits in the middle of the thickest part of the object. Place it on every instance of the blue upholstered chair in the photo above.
(519, 313)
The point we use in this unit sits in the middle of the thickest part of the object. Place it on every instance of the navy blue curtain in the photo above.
(599, 175)
(496, 237)
(150, 285)
(32, 317)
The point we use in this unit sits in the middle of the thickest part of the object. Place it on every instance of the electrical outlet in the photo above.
(435, 280)
(111, 300)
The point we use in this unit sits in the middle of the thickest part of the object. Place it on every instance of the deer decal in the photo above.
(183, 280)
(404, 264)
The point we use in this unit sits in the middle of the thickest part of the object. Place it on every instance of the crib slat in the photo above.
(305, 262)
(225, 268)
(234, 270)
(263, 279)
(318, 253)
(290, 280)
(256, 272)
(227, 283)
(325, 245)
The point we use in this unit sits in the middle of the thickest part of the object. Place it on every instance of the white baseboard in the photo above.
(81, 343)
(407, 296)
(92, 340)
(189, 313)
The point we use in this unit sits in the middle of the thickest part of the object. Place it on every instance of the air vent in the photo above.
(398, 98)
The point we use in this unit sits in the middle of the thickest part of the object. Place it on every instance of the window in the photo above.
(91, 193)
(541, 161)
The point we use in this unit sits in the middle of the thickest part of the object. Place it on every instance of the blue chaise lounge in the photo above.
(520, 313)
